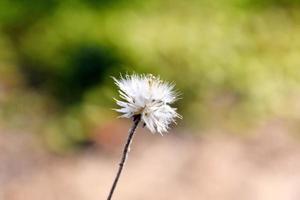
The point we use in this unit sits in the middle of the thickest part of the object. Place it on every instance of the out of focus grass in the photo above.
(236, 62)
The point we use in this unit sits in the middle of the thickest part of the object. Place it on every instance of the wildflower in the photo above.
(145, 98)
(150, 97)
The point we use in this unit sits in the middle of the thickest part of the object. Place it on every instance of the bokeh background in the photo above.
(236, 63)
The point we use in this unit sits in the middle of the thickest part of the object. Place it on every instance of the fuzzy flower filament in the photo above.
(150, 97)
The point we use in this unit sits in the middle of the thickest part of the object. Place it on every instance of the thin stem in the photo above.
(136, 121)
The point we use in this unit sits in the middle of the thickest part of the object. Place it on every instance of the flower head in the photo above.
(150, 97)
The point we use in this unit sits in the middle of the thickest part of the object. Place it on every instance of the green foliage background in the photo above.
(235, 61)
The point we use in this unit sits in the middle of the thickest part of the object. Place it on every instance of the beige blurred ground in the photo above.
(178, 166)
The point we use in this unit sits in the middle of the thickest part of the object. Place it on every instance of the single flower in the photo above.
(149, 97)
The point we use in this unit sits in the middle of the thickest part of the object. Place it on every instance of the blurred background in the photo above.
(236, 63)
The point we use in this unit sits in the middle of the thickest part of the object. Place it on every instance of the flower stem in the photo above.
(136, 120)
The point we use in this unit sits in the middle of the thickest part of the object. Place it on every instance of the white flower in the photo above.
(149, 97)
